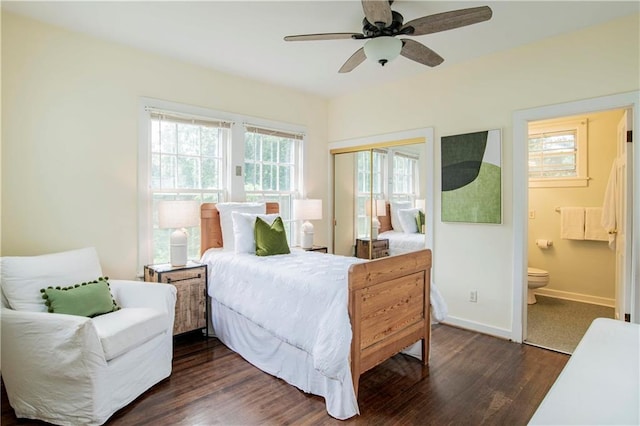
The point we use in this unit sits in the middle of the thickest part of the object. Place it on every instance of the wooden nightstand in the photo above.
(321, 249)
(379, 248)
(191, 282)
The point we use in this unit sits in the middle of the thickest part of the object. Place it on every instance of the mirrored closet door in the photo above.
(377, 188)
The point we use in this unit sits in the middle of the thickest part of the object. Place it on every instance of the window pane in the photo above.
(188, 172)
(188, 139)
(210, 173)
(168, 171)
(168, 137)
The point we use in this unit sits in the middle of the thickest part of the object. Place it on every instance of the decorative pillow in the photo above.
(408, 220)
(22, 277)
(271, 239)
(243, 230)
(420, 222)
(86, 299)
(226, 219)
(395, 207)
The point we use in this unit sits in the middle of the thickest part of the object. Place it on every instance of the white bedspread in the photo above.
(310, 288)
(401, 242)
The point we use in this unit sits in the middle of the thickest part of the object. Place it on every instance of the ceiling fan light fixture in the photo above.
(382, 49)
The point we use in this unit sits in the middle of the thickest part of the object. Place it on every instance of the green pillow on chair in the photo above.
(86, 299)
(272, 239)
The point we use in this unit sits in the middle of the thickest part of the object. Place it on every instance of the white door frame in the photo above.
(521, 120)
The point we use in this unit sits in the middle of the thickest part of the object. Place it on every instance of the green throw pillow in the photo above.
(420, 222)
(272, 239)
(87, 299)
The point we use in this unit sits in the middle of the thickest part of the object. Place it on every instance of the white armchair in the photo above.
(68, 369)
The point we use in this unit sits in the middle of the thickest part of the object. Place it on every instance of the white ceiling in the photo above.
(246, 38)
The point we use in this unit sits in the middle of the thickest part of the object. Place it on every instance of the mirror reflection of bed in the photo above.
(403, 240)
(393, 173)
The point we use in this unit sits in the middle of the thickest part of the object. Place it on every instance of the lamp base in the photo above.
(306, 242)
(306, 235)
(178, 247)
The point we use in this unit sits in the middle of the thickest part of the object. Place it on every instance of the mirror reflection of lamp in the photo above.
(379, 210)
(306, 210)
(178, 214)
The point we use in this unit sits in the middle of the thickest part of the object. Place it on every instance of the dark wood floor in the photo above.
(472, 379)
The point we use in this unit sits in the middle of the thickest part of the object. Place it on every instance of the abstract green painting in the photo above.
(471, 177)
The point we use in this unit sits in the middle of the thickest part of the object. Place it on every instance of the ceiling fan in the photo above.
(381, 25)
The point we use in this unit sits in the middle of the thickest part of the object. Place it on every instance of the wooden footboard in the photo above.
(389, 309)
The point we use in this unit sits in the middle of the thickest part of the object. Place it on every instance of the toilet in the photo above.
(536, 278)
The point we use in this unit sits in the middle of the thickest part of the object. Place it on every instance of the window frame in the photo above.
(580, 127)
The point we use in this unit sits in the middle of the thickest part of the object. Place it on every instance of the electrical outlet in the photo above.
(532, 214)
(473, 296)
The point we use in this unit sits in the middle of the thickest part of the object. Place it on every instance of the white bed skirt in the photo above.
(280, 359)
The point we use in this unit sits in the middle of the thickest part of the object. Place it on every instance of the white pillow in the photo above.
(395, 220)
(226, 219)
(243, 230)
(22, 277)
(407, 218)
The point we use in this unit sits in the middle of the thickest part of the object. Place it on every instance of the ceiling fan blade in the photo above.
(448, 20)
(328, 36)
(418, 52)
(356, 59)
(377, 11)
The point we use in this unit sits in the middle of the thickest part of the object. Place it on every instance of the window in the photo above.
(187, 163)
(272, 169)
(192, 153)
(405, 177)
(558, 153)
(370, 182)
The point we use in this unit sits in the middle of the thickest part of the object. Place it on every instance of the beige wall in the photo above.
(583, 268)
(483, 94)
(70, 136)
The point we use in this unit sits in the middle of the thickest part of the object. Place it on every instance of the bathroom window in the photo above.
(558, 153)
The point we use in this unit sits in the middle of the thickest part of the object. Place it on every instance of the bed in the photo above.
(600, 385)
(400, 242)
(384, 302)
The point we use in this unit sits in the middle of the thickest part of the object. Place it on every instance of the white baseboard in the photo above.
(576, 297)
(479, 327)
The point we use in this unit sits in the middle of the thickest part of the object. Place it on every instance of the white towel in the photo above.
(593, 229)
(572, 223)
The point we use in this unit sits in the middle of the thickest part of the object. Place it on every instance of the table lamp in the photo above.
(178, 214)
(307, 210)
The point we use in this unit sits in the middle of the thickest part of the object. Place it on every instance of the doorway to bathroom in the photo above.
(586, 277)
(571, 265)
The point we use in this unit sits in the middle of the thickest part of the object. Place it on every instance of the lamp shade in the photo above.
(308, 209)
(379, 206)
(382, 49)
(178, 213)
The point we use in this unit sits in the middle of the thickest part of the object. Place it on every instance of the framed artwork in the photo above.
(472, 177)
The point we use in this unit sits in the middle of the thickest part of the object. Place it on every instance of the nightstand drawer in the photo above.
(380, 244)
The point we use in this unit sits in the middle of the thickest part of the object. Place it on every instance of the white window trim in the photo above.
(235, 158)
(579, 125)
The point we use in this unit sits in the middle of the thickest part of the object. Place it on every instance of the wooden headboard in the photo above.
(385, 221)
(210, 230)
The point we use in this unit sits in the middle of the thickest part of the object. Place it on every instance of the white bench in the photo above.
(600, 385)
